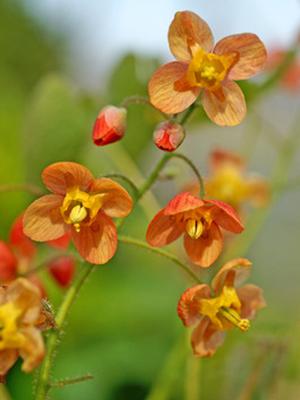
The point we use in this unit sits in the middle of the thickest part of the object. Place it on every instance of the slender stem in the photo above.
(21, 187)
(163, 253)
(136, 99)
(126, 179)
(43, 384)
(64, 382)
(194, 168)
(188, 114)
(163, 161)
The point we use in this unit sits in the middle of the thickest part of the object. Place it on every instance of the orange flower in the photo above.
(200, 221)
(200, 66)
(229, 183)
(82, 205)
(230, 307)
(20, 312)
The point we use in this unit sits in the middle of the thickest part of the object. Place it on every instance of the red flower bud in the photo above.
(62, 270)
(168, 135)
(8, 263)
(110, 125)
(22, 245)
(62, 242)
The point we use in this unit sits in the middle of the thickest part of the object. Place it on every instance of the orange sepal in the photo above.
(163, 92)
(226, 107)
(188, 305)
(187, 30)
(43, 220)
(205, 250)
(61, 176)
(233, 273)
(97, 243)
(163, 230)
(252, 54)
(206, 338)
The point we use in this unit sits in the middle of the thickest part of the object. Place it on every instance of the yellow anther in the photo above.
(233, 316)
(194, 228)
(77, 215)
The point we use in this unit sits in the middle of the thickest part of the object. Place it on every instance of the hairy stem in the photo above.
(22, 187)
(43, 384)
(163, 253)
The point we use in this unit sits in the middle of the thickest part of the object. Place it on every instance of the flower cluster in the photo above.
(81, 208)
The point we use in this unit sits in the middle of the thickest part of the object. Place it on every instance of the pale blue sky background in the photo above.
(100, 31)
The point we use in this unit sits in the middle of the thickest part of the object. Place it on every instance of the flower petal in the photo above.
(186, 30)
(252, 300)
(188, 305)
(117, 202)
(27, 298)
(97, 243)
(227, 108)
(163, 230)
(206, 338)
(226, 216)
(61, 176)
(21, 243)
(7, 359)
(33, 350)
(205, 250)
(183, 202)
(252, 54)
(43, 220)
(232, 273)
(166, 90)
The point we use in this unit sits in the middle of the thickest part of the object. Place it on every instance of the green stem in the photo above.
(188, 113)
(43, 384)
(136, 99)
(163, 161)
(71, 381)
(163, 253)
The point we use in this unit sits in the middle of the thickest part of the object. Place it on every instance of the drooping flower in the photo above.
(227, 181)
(20, 311)
(82, 205)
(110, 125)
(200, 221)
(168, 135)
(218, 310)
(204, 68)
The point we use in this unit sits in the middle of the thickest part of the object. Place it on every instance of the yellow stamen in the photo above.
(194, 228)
(208, 70)
(232, 316)
(77, 215)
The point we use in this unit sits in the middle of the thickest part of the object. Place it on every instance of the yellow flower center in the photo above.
(194, 228)
(10, 337)
(81, 208)
(224, 310)
(196, 222)
(208, 70)
(227, 185)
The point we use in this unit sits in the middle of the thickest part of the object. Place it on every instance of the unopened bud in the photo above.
(168, 135)
(110, 125)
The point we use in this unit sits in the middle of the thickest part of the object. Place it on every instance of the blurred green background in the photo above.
(123, 328)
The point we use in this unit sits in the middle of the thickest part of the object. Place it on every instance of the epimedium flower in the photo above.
(220, 308)
(110, 125)
(200, 221)
(20, 314)
(228, 181)
(81, 205)
(204, 68)
(168, 135)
